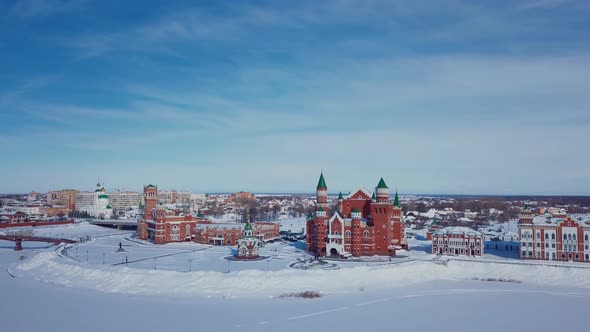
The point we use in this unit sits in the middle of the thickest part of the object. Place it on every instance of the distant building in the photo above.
(65, 197)
(122, 200)
(365, 224)
(174, 197)
(15, 217)
(555, 237)
(241, 196)
(53, 211)
(457, 241)
(99, 207)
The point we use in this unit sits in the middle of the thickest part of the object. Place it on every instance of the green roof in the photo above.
(355, 210)
(340, 196)
(248, 226)
(321, 208)
(322, 182)
(373, 197)
(382, 184)
(199, 215)
(103, 196)
(109, 207)
(396, 200)
(97, 190)
(151, 186)
(310, 216)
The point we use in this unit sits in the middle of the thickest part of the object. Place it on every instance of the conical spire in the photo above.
(382, 184)
(322, 182)
(340, 196)
(373, 197)
(396, 200)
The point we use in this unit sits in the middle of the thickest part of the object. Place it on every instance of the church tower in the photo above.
(382, 192)
(150, 196)
(322, 193)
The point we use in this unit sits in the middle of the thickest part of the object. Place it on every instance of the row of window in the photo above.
(551, 256)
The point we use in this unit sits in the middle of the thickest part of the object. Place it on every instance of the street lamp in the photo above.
(103, 258)
(87, 255)
(190, 264)
(228, 266)
(268, 263)
(76, 252)
(155, 263)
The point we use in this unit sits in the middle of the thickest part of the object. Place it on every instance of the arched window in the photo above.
(587, 257)
(586, 237)
(546, 236)
(347, 234)
(552, 236)
(336, 233)
(538, 235)
(574, 237)
(564, 237)
(569, 236)
(366, 233)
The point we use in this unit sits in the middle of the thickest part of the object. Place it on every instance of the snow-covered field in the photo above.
(416, 292)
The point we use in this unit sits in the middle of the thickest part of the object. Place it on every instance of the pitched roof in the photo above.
(321, 182)
(340, 196)
(382, 184)
(396, 200)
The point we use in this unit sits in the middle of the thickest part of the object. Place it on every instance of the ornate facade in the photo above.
(555, 237)
(365, 223)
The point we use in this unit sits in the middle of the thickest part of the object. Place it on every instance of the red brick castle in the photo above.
(365, 224)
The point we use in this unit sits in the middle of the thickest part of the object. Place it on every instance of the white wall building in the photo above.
(100, 204)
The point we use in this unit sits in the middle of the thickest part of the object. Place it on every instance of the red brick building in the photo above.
(229, 233)
(457, 241)
(365, 224)
(16, 217)
(162, 226)
(555, 237)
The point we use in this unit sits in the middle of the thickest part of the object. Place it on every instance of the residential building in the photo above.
(556, 237)
(122, 200)
(65, 197)
(457, 241)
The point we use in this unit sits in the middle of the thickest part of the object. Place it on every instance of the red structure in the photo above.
(230, 233)
(555, 237)
(365, 224)
(161, 226)
(18, 240)
(37, 223)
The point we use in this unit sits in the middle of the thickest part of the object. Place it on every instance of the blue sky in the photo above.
(461, 97)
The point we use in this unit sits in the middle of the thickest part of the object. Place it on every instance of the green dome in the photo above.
(103, 196)
(382, 184)
(248, 226)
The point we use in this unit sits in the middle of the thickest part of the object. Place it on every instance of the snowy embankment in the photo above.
(50, 267)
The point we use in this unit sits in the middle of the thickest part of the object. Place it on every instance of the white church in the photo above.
(100, 205)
